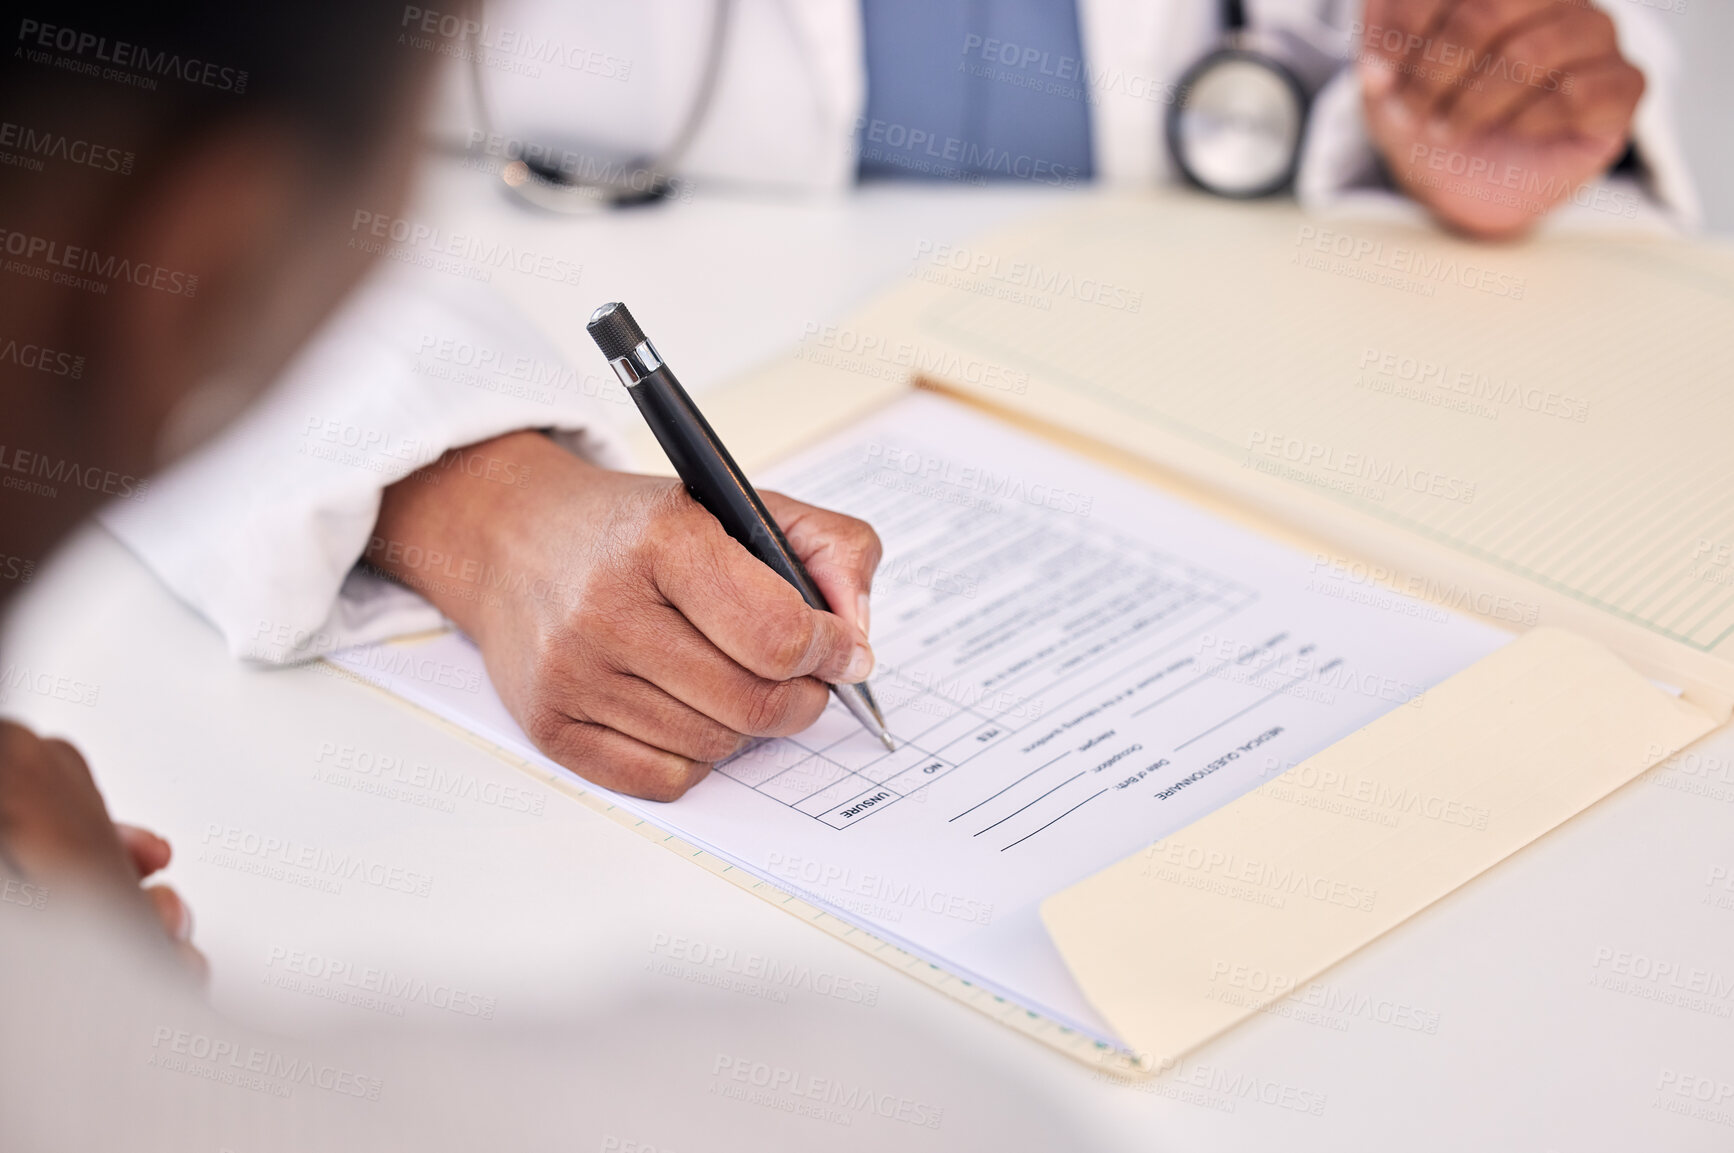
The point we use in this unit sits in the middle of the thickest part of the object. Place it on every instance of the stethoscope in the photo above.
(1238, 118)
(1234, 128)
(644, 181)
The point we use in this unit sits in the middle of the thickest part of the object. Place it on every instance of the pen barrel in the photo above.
(715, 480)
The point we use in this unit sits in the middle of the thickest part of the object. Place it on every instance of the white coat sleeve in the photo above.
(261, 529)
(1341, 171)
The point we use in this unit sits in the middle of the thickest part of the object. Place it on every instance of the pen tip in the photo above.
(885, 738)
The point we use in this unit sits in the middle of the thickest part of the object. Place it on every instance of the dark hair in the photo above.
(166, 70)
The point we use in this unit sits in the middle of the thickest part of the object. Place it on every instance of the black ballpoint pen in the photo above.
(710, 473)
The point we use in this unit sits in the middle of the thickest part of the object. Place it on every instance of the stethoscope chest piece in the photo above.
(1236, 123)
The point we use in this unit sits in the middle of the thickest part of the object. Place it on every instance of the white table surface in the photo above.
(1537, 1041)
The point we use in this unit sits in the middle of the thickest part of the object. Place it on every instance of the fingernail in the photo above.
(863, 611)
(184, 930)
(860, 664)
(1377, 79)
(1397, 113)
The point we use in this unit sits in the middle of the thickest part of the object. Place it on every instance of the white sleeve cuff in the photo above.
(260, 531)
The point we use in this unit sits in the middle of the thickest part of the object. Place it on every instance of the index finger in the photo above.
(841, 553)
(749, 612)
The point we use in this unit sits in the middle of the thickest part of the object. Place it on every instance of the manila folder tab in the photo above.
(1302, 871)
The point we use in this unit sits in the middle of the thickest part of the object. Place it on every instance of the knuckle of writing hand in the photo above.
(591, 588)
(659, 787)
(674, 514)
(605, 623)
(609, 614)
(642, 549)
(655, 523)
(550, 653)
(713, 742)
(545, 723)
(662, 781)
(787, 642)
(864, 546)
(764, 708)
